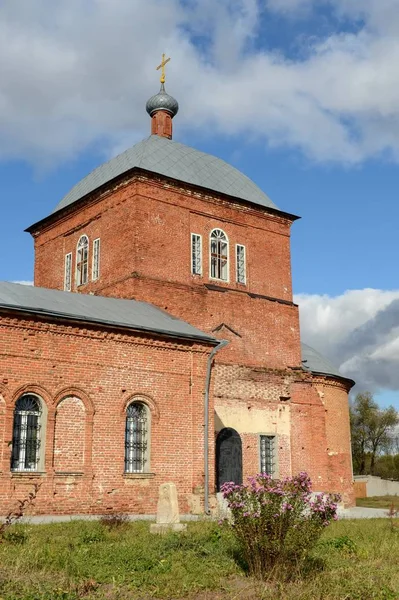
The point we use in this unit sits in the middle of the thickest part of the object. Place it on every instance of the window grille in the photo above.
(240, 263)
(26, 434)
(68, 272)
(82, 261)
(136, 438)
(267, 454)
(96, 260)
(196, 254)
(219, 255)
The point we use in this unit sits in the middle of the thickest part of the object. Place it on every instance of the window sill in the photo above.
(28, 474)
(225, 281)
(68, 474)
(138, 475)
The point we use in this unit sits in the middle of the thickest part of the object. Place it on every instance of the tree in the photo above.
(372, 430)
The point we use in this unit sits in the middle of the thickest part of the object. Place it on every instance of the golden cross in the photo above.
(162, 66)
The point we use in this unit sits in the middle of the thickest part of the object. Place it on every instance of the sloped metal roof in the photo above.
(177, 161)
(131, 314)
(314, 362)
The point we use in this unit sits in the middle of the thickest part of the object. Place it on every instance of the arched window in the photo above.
(82, 261)
(26, 434)
(219, 255)
(137, 434)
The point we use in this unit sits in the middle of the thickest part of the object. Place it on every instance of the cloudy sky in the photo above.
(301, 95)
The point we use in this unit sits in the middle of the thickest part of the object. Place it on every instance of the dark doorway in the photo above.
(228, 457)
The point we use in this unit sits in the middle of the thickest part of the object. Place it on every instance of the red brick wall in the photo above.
(69, 436)
(145, 230)
(83, 440)
(320, 439)
(334, 395)
(145, 225)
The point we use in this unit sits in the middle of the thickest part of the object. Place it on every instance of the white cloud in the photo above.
(24, 282)
(358, 331)
(77, 74)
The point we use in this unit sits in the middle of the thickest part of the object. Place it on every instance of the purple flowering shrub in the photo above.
(277, 522)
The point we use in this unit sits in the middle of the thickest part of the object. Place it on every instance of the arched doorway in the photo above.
(228, 457)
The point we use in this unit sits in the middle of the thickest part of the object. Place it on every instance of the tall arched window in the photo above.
(219, 255)
(137, 434)
(82, 261)
(26, 433)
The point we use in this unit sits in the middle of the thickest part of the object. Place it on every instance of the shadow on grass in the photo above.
(284, 570)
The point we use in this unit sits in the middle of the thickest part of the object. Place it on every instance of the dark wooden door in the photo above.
(228, 457)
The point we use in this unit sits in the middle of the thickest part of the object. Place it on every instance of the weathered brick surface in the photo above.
(144, 223)
(86, 378)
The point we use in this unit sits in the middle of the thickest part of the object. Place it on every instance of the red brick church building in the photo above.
(113, 377)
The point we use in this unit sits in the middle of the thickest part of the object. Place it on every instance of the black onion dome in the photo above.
(162, 101)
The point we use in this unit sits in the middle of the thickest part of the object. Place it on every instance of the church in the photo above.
(160, 342)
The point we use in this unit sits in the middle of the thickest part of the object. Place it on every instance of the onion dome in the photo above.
(162, 101)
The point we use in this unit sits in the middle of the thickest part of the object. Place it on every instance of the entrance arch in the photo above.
(228, 457)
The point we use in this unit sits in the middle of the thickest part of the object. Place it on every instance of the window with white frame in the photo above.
(137, 435)
(26, 433)
(241, 274)
(68, 272)
(219, 259)
(268, 454)
(196, 254)
(95, 273)
(82, 261)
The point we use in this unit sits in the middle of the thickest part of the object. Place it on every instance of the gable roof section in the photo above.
(177, 161)
(129, 314)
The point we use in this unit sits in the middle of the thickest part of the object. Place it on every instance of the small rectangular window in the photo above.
(196, 254)
(68, 272)
(96, 260)
(268, 454)
(240, 264)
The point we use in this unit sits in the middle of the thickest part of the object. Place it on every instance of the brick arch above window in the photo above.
(75, 392)
(144, 399)
(32, 388)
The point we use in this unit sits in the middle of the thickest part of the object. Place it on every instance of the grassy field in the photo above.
(355, 560)
(378, 502)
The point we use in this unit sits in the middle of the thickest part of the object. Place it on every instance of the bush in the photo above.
(278, 522)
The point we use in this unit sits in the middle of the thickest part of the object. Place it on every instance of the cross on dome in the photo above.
(162, 66)
(162, 107)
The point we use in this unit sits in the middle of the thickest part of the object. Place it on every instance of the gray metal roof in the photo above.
(96, 309)
(177, 161)
(314, 362)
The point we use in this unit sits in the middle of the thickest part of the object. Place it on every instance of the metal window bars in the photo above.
(136, 438)
(267, 454)
(26, 434)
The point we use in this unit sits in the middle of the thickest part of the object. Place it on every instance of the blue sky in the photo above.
(299, 95)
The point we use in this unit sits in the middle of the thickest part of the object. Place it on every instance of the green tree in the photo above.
(372, 430)
(387, 466)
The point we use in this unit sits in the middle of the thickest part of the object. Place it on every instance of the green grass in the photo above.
(378, 502)
(357, 560)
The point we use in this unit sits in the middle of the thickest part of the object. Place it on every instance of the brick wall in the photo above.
(145, 228)
(145, 224)
(86, 377)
